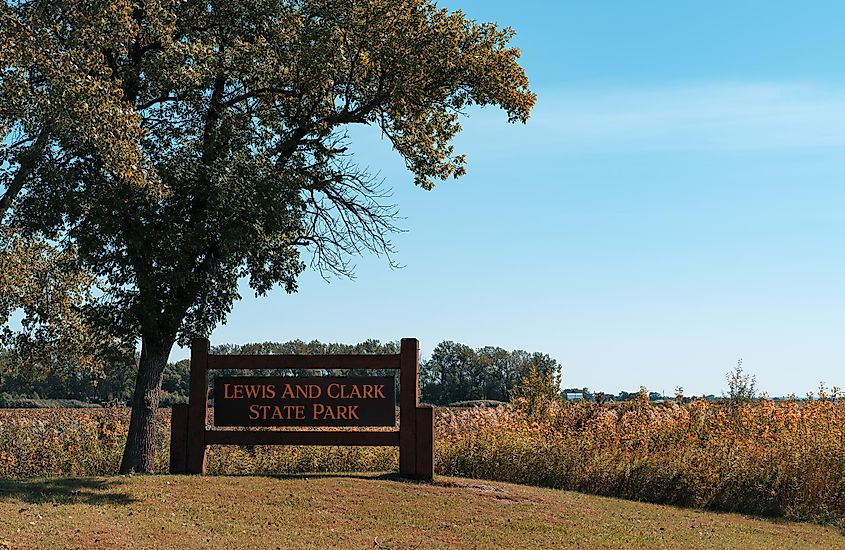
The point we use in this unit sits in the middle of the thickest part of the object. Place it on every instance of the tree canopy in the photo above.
(168, 149)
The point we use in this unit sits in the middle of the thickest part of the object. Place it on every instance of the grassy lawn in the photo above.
(354, 511)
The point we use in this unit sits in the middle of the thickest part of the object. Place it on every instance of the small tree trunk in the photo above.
(139, 453)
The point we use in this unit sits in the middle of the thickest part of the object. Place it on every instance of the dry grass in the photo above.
(89, 442)
(361, 512)
(764, 458)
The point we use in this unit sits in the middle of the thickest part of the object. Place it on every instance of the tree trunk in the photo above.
(139, 453)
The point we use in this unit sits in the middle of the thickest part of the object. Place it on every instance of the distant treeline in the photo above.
(454, 373)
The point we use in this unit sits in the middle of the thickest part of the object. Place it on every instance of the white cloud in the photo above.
(710, 117)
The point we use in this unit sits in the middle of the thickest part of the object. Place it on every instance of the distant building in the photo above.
(574, 396)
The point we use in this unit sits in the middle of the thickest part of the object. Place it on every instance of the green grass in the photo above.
(361, 511)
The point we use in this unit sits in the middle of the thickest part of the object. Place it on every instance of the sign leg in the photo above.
(178, 438)
(408, 401)
(425, 444)
(197, 407)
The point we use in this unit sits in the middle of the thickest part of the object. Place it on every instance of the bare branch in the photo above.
(347, 216)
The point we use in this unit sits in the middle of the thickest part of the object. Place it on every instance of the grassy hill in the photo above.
(363, 511)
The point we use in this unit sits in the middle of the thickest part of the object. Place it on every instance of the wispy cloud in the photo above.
(706, 117)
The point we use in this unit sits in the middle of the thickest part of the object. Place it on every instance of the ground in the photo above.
(361, 511)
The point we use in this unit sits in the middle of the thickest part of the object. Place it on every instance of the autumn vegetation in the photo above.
(780, 459)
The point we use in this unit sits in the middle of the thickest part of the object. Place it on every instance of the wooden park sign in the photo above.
(264, 401)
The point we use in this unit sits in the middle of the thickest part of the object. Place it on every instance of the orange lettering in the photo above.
(258, 412)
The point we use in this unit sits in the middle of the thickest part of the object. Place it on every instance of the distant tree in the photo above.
(742, 386)
(626, 395)
(536, 390)
(174, 148)
(500, 369)
(455, 372)
(452, 373)
(113, 381)
(177, 378)
(118, 380)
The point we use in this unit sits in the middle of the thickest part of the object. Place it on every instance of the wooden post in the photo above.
(178, 438)
(425, 443)
(409, 355)
(197, 407)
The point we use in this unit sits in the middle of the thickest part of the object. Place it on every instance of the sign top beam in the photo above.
(304, 362)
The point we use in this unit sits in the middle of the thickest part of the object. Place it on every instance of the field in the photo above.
(361, 512)
(764, 458)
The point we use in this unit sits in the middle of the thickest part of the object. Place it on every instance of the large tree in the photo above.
(174, 147)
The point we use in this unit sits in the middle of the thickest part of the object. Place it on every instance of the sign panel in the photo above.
(304, 401)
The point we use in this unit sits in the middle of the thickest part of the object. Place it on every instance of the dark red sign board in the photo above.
(304, 401)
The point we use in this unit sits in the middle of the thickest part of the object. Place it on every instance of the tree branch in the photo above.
(28, 160)
(288, 146)
(156, 101)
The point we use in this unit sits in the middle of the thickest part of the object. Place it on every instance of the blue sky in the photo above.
(674, 203)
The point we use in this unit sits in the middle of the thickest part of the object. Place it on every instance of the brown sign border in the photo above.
(189, 433)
